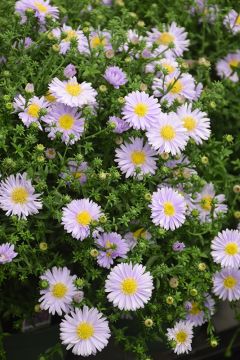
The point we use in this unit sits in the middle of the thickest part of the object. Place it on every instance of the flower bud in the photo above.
(202, 266)
(193, 292)
(79, 282)
(102, 88)
(141, 23)
(173, 282)
(214, 343)
(109, 54)
(237, 215)
(103, 219)
(102, 175)
(164, 156)
(204, 160)
(37, 308)
(148, 196)
(43, 284)
(56, 47)
(29, 88)
(236, 189)
(143, 87)
(121, 100)
(94, 253)
(40, 147)
(148, 323)
(169, 300)
(43, 246)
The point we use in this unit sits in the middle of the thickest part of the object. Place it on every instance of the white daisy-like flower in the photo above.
(195, 122)
(77, 217)
(31, 114)
(85, 331)
(196, 315)
(72, 93)
(168, 134)
(135, 155)
(17, 196)
(129, 287)
(226, 248)
(182, 334)
(226, 284)
(58, 297)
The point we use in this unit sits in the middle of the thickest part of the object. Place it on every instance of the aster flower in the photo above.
(41, 8)
(115, 76)
(132, 237)
(100, 39)
(209, 303)
(19, 103)
(60, 292)
(167, 135)
(226, 284)
(181, 164)
(135, 155)
(195, 315)
(226, 248)
(195, 122)
(232, 21)
(181, 334)
(204, 11)
(70, 71)
(204, 203)
(140, 110)
(178, 246)
(226, 67)
(129, 286)
(67, 35)
(168, 208)
(72, 93)
(85, 330)
(172, 34)
(77, 217)
(7, 253)
(66, 120)
(111, 246)
(50, 153)
(167, 64)
(77, 170)
(120, 125)
(174, 86)
(32, 113)
(17, 196)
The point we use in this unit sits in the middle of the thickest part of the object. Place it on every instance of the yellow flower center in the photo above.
(19, 195)
(77, 175)
(167, 132)
(33, 110)
(70, 35)
(231, 248)
(73, 89)
(59, 290)
(139, 233)
(237, 22)
(138, 157)
(230, 282)
(169, 209)
(189, 123)
(181, 337)
(195, 309)
(141, 109)
(129, 286)
(49, 97)
(66, 121)
(168, 67)
(206, 202)
(96, 41)
(108, 245)
(176, 88)
(41, 7)
(85, 331)
(165, 38)
(233, 63)
(84, 218)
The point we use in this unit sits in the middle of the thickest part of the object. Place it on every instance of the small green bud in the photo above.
(148, 323)
(237, 215)
(169, 300)
(102, 88)
(214, 343)
(6, 97)
(193, 292)
(40, 159)
(229, 138)
(9, 106)
(121, 100)
(102, 175)
(173, 282)
(212, 104)
(141, 23)
(202, 266)
(43, 246)
(56, 47)
(6, 73)
(148, 196)
(204, 160)
(94, 253)
(40, 147)
(44, 284)
(79, 283)
(37, 308)
(103, 219)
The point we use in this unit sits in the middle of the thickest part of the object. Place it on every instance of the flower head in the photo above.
(120, 124)
(182, 334)
(140, 110)
(77, 170)
(196, 315)
(70, 71)
(226, 284)
(31, 114)
(135, 155)
(17, 196)
(77, 217)
(132, 237)
(85, 330)
(168, 208)
(226, 248)
(67, 35)
(232, 21)
(58, 297)
(41, 8)
(7, 253)
(226, 67)
(115, 76)
(129, 286)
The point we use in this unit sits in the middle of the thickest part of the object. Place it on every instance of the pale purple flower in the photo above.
(168, 208)
(32, 113)
(167, 64)
(66, 35)
(232, 21)
(196, 315)
(77, 217)
(100, 39)
(19, 103)
(29, 88)
(129, 286)
(141, 110)
(226, 67)
(115, 76)
(111, 246)
(70, 71)
(226, 284)
(18, 197)
(120, 124)
(85, 331)
(7, 253)
(66, 120)
(181, 334)
(226, 248)
(58, 297)
(41, 8)
(209, 304)
(132, 237)
(77, 170)
(204, 11)
(178, 246)
(135, 155)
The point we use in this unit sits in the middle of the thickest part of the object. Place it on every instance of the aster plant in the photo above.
(117, 190)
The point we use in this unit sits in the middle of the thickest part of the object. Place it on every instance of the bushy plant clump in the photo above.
(119, 189)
